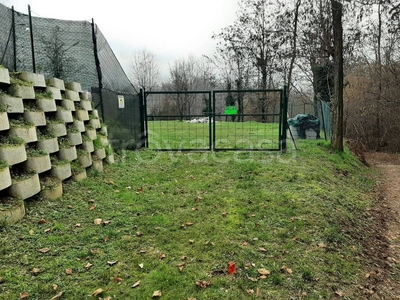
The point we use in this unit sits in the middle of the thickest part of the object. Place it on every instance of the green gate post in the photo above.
(213, 133)
(211, 120)
(143, 117)
(284, 119)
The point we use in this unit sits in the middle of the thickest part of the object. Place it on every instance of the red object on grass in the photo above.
(231, 267)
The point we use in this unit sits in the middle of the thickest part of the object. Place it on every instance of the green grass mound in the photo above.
(171, 222)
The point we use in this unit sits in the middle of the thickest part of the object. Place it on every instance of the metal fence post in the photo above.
(213, 108)
(32, 44)
(143, 120)
(211, 120)
(98, 68)
(284, 119)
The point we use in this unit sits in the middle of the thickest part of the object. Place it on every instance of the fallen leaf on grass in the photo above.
(23, 295)
(162, 256)
(252, 279)
(285, 269)
(110, 182)
(197, 200)
(77, 225)
(191, 241)
(244, 244)
(128, 187)
(258, 291)
(262, 249)
(116, 191)
(263, 272)
(97, 292)
(250, 292)
(42, 221)
(108, 222)
(98, 221)
(118, 279)
(69, 206)
(183, 257)
(58, 296)
(181, 266)
(250, 265)
(224, 214)
(92, 207)
(69, 271)
(136, 284)
(91, 201)
(141, 266)
(31, 232)
(47, 230)
(191, 298)
(339, 294)
(55, 287)
(203, 284)
(157, 294)
(112, 262)
(44, 250)
(189, 224)
(106, 239)
(35, 271)
(88, 266)
(231, 267)
(139, 234)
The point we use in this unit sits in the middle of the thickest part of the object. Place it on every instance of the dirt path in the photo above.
(383, 282)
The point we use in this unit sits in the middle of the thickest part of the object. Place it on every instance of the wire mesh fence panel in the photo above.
(325, 118)
(247, 120)
(6, 38)
(113, 75)
(178, 120)
(74, 51)
(301, 108)
(125, 130)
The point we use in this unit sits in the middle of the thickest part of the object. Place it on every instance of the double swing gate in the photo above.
(248, 120)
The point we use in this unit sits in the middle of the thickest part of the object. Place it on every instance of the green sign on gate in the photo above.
(230, 110)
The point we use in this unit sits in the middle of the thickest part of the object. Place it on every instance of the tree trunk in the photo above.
(337, 103)
(379, 61)
(294, 52)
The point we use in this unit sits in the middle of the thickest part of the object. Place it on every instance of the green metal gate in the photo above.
(248, 120)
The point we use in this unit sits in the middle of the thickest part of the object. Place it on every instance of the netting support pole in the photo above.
(14, 40)
(98, 68)
(284, 118)
(32, 44)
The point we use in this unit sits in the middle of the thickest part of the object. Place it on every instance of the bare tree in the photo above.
(145, 73)
(191, 74)
(59, 63)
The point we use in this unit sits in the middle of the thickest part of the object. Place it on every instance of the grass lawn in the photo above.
(171, 220)
(233, 135)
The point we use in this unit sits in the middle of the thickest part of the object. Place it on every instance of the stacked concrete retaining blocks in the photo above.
(49, 133)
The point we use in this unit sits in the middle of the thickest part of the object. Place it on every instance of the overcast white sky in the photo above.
(172, 29)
